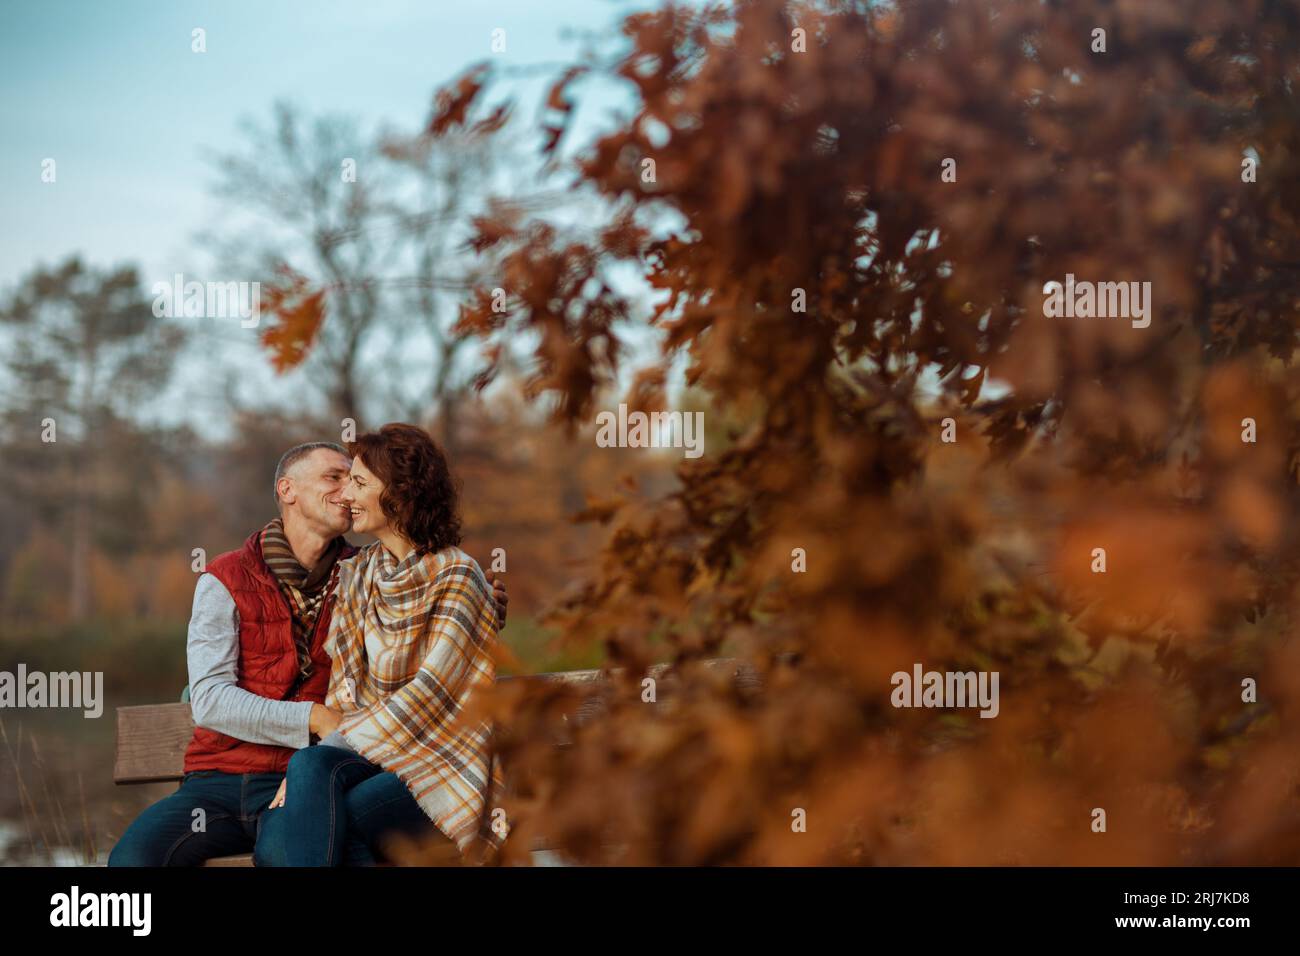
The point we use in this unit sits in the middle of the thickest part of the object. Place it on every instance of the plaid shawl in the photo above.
(410, 642)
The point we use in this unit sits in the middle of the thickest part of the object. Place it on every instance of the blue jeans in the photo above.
(337, 807)
(171, 833)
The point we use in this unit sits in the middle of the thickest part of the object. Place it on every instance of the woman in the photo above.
(412, 638)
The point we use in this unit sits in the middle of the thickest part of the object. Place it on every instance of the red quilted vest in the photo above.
(268, 661)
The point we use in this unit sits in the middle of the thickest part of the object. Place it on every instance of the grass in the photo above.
(46, 820)
(539, 651)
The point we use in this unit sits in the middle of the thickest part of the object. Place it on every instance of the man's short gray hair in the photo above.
(296, 454)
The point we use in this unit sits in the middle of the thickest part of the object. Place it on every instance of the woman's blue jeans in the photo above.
(337, 806)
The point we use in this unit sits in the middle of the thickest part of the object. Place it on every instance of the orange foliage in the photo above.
(819, 172)
(299, 312)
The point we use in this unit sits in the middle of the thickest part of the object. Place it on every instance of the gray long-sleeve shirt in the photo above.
(217, 702)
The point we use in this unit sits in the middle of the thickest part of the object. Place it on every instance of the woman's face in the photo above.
(361, 496)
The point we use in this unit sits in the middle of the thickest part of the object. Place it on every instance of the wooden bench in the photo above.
(151, 738)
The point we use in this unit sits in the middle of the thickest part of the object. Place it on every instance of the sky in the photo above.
(114, 94)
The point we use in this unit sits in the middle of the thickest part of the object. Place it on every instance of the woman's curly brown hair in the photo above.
(420, 496)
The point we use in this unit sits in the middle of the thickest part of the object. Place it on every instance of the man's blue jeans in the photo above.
(172, 833)
(337, 806)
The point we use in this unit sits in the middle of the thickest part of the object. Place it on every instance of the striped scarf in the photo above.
(411, 642)
(304, 590)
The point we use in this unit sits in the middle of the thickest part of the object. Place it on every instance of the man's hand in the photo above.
(499, 595)
(278, 800)
(323, 721)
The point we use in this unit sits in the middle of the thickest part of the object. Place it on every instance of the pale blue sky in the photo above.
(114, 94)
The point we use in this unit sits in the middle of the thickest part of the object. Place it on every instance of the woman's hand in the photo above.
(499, 595)
(278, 800)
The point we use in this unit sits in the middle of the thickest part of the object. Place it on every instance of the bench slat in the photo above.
(151, 742)
(151, 738)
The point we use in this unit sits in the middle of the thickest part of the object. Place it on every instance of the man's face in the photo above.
(313, 490)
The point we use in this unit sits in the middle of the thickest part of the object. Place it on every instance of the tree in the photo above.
(373, 228)
(827, 262)
(86, 352)
(313, 215)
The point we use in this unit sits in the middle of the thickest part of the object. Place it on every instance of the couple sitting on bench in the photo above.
(327, 682)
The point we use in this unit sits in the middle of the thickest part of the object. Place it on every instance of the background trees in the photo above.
(83, 349)
(801, 148)
(829, 299)
(374, 225)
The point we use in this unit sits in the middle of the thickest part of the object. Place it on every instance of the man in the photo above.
(258, 670)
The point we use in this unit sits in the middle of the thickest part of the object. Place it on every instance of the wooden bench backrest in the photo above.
(151, 738)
